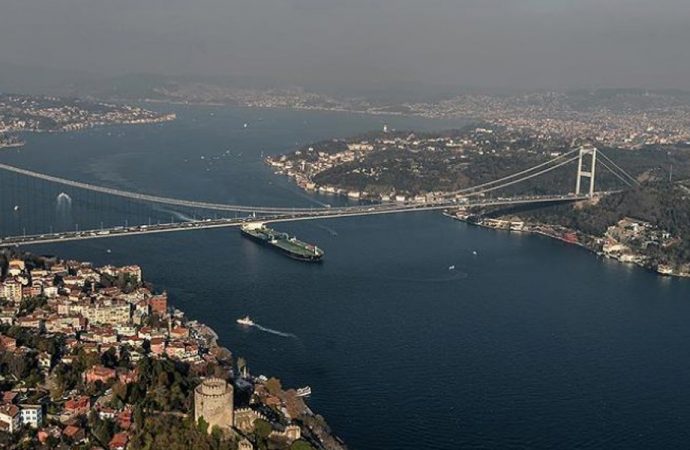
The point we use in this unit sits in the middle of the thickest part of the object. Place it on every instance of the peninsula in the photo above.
(25, 113)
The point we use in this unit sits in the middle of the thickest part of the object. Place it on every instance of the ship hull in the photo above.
(284, 251)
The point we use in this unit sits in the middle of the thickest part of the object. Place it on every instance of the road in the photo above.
(365, 210)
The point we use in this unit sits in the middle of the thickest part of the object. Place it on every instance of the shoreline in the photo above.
(86, 126)
(122, 312)
(568, 236)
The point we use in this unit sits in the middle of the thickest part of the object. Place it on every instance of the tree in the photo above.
(262, 428)
(109, 358)
(301, 445)
(274, 386)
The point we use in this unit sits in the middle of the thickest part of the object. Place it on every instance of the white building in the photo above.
(10, 419)
(31, 415)
(11, 290)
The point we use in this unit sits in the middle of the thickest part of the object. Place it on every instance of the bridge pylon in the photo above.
(584, 151)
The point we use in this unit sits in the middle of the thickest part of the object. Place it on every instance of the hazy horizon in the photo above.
(524, 44)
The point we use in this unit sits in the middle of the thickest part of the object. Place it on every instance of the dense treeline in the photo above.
(664, 205)
(163, 431)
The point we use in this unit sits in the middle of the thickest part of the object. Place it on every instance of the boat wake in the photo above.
(330, 231)
(275, 332)
(176, 214)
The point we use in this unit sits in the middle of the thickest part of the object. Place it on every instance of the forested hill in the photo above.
(664, 205)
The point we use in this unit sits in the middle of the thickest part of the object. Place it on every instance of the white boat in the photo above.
(304, 392)
(451, 267)
(246, 321)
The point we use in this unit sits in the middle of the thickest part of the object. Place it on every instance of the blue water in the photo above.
(529, 343)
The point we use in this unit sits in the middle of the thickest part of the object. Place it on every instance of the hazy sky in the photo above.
(495, 43)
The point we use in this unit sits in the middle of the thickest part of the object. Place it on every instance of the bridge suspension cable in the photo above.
(626, 174)
(520, 180)
(516, 174)
(619, 176)
(155, 198)
(503, 182)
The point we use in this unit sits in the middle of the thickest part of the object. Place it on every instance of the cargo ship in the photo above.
(283, 242)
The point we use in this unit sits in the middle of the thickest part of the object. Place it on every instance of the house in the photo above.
(31, 415)
(107, 413)
(7, 343)
(100, 373)
(74, 433)
(11, 290)
(78, 406)
(159, 304)
(129, 376)
(158, 346)
(44, 360)
(10, 419)
(118, 442)
(179, 333)
(124, 419)
(8, 397)
(175, 350)
(45, 433)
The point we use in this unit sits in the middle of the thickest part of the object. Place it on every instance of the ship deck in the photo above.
(297, 247)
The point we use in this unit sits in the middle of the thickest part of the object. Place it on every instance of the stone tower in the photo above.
(213, 402)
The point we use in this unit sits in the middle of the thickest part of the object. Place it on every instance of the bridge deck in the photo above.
(313, 215)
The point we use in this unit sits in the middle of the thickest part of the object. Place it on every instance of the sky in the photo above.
(466, 43)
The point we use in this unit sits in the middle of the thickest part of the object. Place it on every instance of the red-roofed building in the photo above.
(175, 350)
(179, 333)
(78, 405)
(124, 419)
(100, 373)
(9, 418)
(8, 397)
(118, 442)
(159, 304)
(130, 376)
(158, 346)
(7, 343)
(74, 433)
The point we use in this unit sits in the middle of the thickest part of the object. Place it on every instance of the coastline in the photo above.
(13, 145)
(113, 311)
(593, 244)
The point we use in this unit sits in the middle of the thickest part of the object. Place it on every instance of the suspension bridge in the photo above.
(118, 203)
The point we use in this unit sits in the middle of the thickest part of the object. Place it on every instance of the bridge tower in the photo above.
(585, 151)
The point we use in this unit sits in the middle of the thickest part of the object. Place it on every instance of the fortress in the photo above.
(213, 401)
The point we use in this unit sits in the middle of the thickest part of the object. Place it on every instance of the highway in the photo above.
(366, 210)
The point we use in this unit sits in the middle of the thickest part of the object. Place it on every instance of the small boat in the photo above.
(246, 125)
(246, 321)
(16, 207)
(304, 392)
(474, 252)
(451, 267)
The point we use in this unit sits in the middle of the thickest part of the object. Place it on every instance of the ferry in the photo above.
(304, 392)
(246, 321)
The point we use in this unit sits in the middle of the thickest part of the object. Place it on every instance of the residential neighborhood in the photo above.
(89, 355)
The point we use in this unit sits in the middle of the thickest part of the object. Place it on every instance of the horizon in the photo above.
(467, 44)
